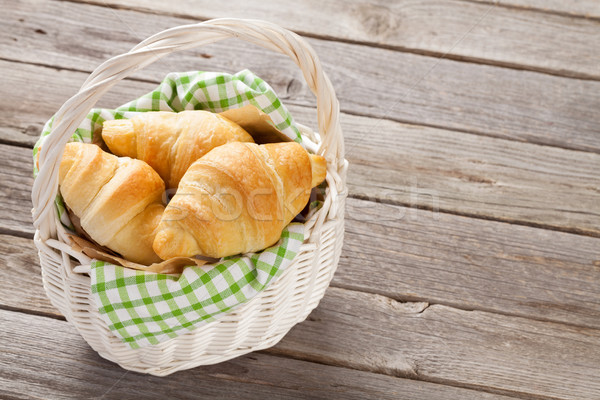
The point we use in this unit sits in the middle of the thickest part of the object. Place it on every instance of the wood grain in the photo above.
(424, 167)
(468, 348)
(472, 175)
(417, 255)
(582, 8)
(414, 255)
(26, 111)
(45, 358)
(20, 277)
(455, 29)
(514, 104)
(16, 180)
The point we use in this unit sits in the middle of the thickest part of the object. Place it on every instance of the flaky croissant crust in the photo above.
(118, 200)
(170, 142)
(237, 199)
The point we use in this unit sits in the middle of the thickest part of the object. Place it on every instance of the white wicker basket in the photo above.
(264, 320)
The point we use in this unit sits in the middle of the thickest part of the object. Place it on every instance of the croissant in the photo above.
(237, 198)
(170, 142)
(118, 199)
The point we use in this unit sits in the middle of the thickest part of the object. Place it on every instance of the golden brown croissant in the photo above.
(237, 199)
(170, 142)
(118, 199)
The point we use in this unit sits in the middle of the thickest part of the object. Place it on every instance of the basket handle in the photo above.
(265, 34)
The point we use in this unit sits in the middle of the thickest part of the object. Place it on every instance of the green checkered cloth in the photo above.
(145, 308)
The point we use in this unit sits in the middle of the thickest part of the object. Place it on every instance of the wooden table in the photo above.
(473, 221)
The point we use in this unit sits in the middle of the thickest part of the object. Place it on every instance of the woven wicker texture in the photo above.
(264, 320)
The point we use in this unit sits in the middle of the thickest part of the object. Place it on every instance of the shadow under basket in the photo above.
(265, 319)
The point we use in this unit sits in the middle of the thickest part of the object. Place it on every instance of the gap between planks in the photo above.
(422, 52)
(292, 102)
(408, 300)
(15, 232)
(57, 316)
(509, 4)
(425, 207)
(418, 48)
(523, 5)
(413, 375)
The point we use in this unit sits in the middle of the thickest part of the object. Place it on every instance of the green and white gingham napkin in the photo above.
(144, 308)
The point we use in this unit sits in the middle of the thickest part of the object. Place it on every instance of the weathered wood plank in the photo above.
(472, 175)
(15, 196)
(412, 165)
(492, 101)
(45, 358)
(479, 32)
(469, 348)
(26, 111)
(416, 255)
(20, 277)
(582, 8)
